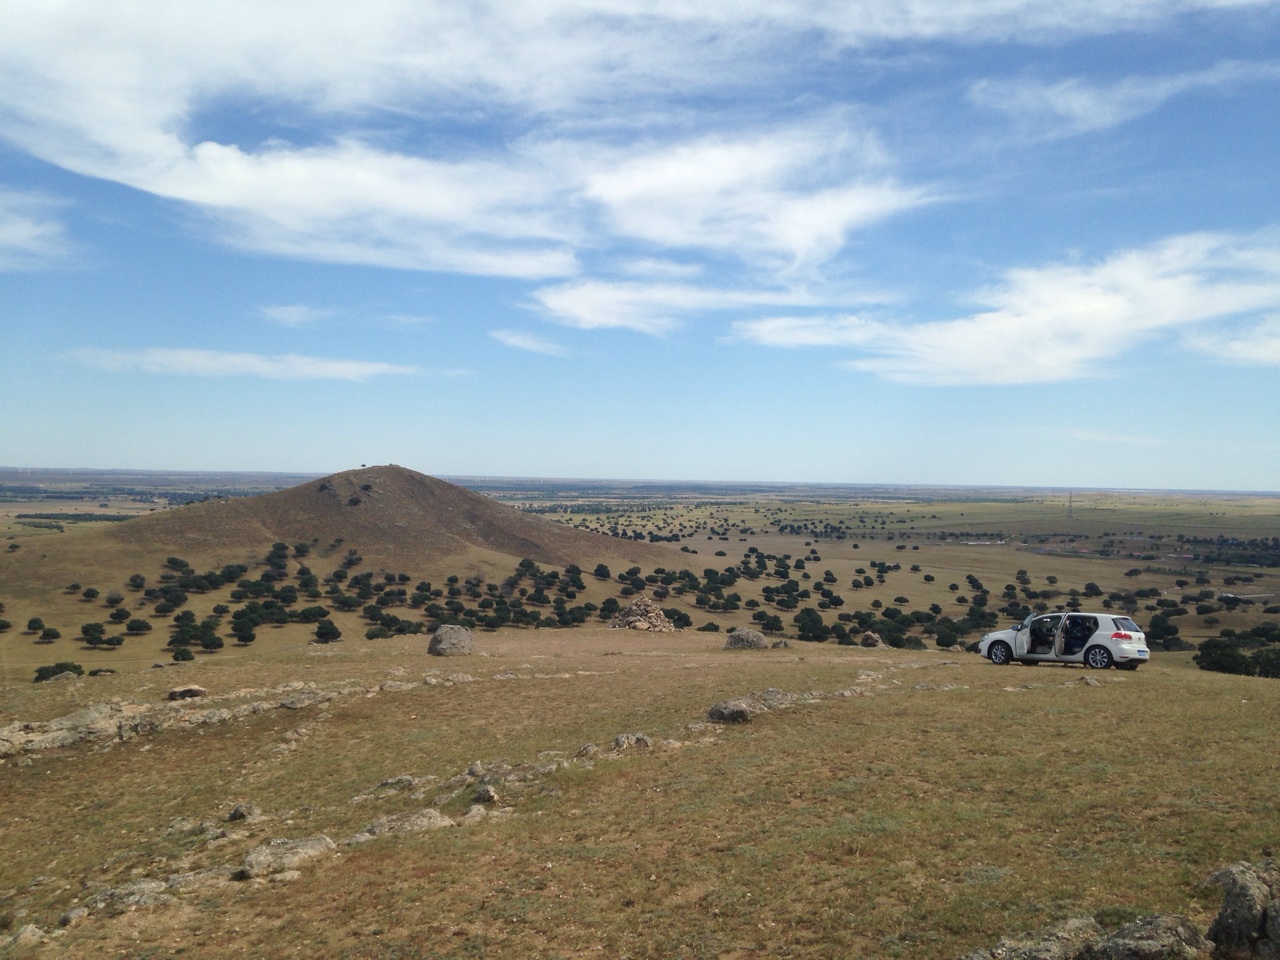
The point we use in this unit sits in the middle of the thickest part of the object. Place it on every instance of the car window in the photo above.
(1080, 627)
(1124, 623)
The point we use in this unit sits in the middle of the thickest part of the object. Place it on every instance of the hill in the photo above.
(397, 519)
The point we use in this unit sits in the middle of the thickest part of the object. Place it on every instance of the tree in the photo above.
(114, 598)
(50, 634)
(182, 655)
(90, 593)
(327, 632)
(120, 615)
(1223, 655)
(211, 641)
(92, 633)
(138, 625)
(5, 625)
(35, 625)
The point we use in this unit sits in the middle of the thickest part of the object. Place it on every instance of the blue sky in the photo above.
(947, 241)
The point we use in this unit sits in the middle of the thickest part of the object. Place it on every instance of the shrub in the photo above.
(51, 671)
(709, 627)
(182, 655)
(1223, 655)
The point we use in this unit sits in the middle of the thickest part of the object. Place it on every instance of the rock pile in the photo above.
(643, 614)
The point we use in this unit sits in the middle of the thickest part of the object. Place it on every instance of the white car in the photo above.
(1098, 640)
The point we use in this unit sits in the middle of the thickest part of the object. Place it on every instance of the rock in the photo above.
(244, 811)
(451, 640)
(587, 750)
(783, 644)
(278, 855)
(1243, 923)
(626, 741)
(415, 821)
(27, 936)
(1091, 681)
(132, 896)
(187, 692)
(643, 614)
(738, 710)
(870, 639)
(746, 640)
(1151, 938)
(486, 794)
(74, 916)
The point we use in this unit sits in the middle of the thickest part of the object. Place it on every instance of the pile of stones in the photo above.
(643, 614)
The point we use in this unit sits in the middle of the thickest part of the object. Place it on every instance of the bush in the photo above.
(183, 655)
(51, 671)
(709, 627)
(1266, 662)
(1222, 655)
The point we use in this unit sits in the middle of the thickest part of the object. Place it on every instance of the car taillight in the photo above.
(1121, 635)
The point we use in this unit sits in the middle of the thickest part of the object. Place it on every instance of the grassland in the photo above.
(947, 804)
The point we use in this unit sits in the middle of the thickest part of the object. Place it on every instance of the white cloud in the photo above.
(1254, 345)
(1077, 106)
(30, 236)
(527, 341)
(652, 308)
(1068, 321)
(218, 363)
(294, 315)
(791, 193)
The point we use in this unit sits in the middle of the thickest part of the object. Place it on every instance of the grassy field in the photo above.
(944, 804)
(952, 803)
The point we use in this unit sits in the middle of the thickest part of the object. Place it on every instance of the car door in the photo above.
(1076, 632)
(1040, 640)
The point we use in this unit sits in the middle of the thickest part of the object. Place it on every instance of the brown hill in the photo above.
(395, 518)
(398, 520)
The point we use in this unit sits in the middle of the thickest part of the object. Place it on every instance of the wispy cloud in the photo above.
(30, 235)
(1068, 321)
(652, 308)
(294, 315)
(1253, 345)
(1076, 106)
(527, 341)
(218, 363)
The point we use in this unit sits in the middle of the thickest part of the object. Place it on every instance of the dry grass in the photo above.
(917, 821)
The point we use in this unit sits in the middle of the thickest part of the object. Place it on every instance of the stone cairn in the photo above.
(643, 614)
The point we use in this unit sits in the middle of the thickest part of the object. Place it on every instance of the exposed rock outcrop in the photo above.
(278, 856)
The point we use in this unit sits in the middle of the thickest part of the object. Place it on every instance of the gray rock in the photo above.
(486, 794)
(1242, 922)
(451, 640)
(27, 935)
(737, 710)
(187, 692)
(244, 811)
(627, 741)
(74, 916)
(746, 640)
(278, 855)
(415, 821)
(132, 896)
(1151, 938)
(870, 639)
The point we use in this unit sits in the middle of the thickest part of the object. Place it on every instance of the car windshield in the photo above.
(1124, 623)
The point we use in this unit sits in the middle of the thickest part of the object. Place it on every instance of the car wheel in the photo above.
(1097, 658)
(1000, 654)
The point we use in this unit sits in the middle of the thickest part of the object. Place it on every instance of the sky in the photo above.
(1008, 242)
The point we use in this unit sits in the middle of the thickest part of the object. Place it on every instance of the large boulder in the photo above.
(740, 639)
(451, 640)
